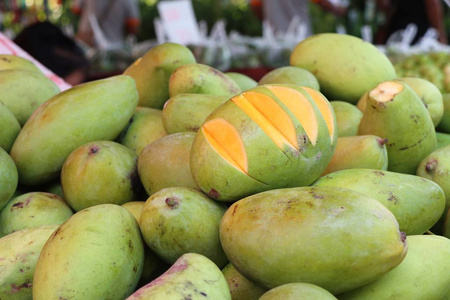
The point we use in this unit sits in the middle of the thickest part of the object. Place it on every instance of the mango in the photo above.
(8, 61)
(19, 253)
(201, 79)
(272, 136)
(446, 229)
(348, 117)
(172, 169)
(417, 203)
(135, 208)
(359, 152)
(192, 276)
(33, 209)
(332, 237)
(97, 110)
(359, 68)
(395, 112)
(444, 125)
(187, 112)
(443, 139)
(243, 81)
(240, 287)
(9, 178)
(291, 75)
(179, 220)
(100, 172)
(10, 128)
(423, 274)
(298, 290)
(97, 253)
(145, 126)
(152, 71)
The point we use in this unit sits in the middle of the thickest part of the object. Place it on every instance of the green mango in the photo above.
(243, 81)
(97, 253)
(20, 252)
(187, 112)
(9, 61)
(443, 139)
(291, 75)
(97, 110)
(298, 290)
(397, 114)
(33, 209)
(332, 237)
(417, 203)
(348, 117)
(146, 126)
(240, 287)
(166, 163)
(201, 79)
(423, 274)
(9, 178)
(10, 128)
(152, 71)
(192, 276)
(100, 172)
(345, 65)
(444, 125)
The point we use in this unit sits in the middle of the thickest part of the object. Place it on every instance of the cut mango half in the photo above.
(225, 139)
(300, 106)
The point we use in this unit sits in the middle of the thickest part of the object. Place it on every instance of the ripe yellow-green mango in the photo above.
(180, 220)
(145, 126)
(33, 209)
(417, 203)
(201, 79)
(97, 110)
(345, 66)
(22, 91)
(348, 117)
(423, 274)
(395, 112)
(243, 81)
(359, 152)
(97, 254)
(135, 208)
(152, 72)
(9, 178)
(444, 125)
(8, 61)
(443, 139)
(298, 290)
(193, 276)
(291, 75)
(332, 237)
(240, 287)
(187, 112)
(10, 128)
(19, 252)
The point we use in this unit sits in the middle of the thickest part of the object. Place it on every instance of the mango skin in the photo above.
(297, 290)
(9, 178)
(417, 203)
(423, 274)
(20, 252)
(348, 117)
(446, 230)
(335, 238)
(444, 125)
(8, 61)
(243, 81)
(97, 254)
(443, 139)
(240, 287)
(291, 75)
(10, 128)
(97, 110)
(360, 65)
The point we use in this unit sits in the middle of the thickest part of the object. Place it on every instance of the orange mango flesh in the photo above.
(324, 107)
(225, 139)
(302, 109)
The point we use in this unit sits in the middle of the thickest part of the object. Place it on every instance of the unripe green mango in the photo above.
(291, 75)
(363, 151)
(97, 254)
(395, 112)
(444, 125)
(8, 61)
(423, 274)
(8, 178)
(335, 238)
(97, 110)
(359, 68)
(152, 72)
(192, 276)
(443, 139)
(19, 252)
(201, 79)
(348, 117)
(10, 128)
(187, 112)
(240, 287)
(145, 126)
(33, 210)
(417, 203)
(166, 163)
(243, 81)
(298, 290)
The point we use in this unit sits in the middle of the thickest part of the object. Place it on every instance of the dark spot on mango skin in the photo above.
(430, 166)
(17, 205)
(379, 173)
(403, 237)
(16, 288)
(172, 202)
(214, 194)
(94, 149)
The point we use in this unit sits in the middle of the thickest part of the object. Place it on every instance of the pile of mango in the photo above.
(326, 179)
